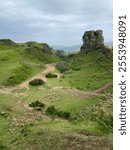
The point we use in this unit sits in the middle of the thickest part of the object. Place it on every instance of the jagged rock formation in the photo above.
(93, 40)
(7, 42)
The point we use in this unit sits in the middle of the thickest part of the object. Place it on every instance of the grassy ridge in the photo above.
(17, 64)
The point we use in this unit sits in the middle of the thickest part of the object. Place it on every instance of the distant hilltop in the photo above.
(7, 42)
(31, 46)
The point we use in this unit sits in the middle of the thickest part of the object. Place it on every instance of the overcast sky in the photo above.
(56, 22)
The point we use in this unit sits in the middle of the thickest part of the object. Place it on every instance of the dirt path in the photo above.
(80, 93)
(91, 93)
(41, 75)
(4, 90)
(103, 88)
(49, 68)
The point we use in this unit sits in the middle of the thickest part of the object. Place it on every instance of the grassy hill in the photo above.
(88, 71)
(20, 61)
(72, 110)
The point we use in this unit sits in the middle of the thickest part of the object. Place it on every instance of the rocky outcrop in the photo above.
(7, 42)
(93, 40)
(34, 47)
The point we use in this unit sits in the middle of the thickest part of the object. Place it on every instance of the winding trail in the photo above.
(41, 75)
(49, 68)
(80, 93)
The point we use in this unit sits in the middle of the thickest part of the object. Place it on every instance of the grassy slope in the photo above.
(92, 73)
(23, 129)
(16, 63)
(34, 130)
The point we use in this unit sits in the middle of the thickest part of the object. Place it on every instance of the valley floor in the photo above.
(23, 127)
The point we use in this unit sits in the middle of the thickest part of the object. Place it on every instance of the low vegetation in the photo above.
(100, 112)
(36, 82)
(52, 111)
(50, 75)
(37, 105)
(71, 111)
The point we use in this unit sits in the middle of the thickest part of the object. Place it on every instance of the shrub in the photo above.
(37, 105)
(50, 75)
(51, 110)
(65, 115)
(62, 114)
(36, 82)
(59, 113)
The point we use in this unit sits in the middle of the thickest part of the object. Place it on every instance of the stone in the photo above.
(93, 40)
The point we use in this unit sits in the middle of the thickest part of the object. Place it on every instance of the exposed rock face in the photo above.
(7, 42)
(93, 40)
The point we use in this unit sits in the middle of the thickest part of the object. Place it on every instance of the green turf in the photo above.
(24, 128)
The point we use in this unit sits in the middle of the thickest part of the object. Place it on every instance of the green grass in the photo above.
(16, 65)
(71, 103)
(3, 126)
(42, 130)
(25, 128)
(92, 73)
(45, 138)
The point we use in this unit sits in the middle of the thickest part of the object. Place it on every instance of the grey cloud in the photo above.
(54, 21)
